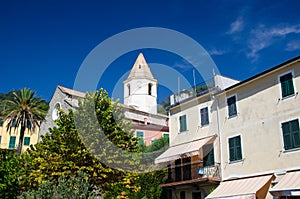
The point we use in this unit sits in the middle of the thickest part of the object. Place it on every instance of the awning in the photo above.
(242, 188)
(189, 149)
(289, 185)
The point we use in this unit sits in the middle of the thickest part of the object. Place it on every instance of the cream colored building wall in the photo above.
(194, 129)
(260, 114)
(5, 137)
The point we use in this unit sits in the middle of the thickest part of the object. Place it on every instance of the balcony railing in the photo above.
(198, 90)
(193, 172)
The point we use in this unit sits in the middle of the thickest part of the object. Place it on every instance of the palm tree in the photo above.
(24, 110)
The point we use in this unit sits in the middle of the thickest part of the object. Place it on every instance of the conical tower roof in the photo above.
(140, 69)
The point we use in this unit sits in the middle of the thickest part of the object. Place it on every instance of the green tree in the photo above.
(23, 110)
(73, 187)
(10, 171)
(77, 146)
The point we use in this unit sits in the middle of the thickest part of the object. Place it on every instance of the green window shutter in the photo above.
(209, 159)
(12, 142)
(26, 141)
(182, 121)
(140, 134)
(166, 135)
(0, 139)
(231, 150)
(235, 149)
(231, 102)
(291, 134)
(204, 116)
(287, 86)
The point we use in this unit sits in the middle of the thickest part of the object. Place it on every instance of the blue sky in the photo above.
(43, 43)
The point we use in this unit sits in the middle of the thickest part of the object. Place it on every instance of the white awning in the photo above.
(188, 149)
(289, 185)
(242, 188)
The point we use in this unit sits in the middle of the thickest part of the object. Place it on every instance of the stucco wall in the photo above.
(260, 114)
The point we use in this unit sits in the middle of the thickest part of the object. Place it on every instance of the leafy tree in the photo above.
(24, 110)
(10, 171)
(72, 187)
(65, 150)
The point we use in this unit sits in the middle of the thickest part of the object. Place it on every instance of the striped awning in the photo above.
(241, 188)
(289, 185)
(188, 149)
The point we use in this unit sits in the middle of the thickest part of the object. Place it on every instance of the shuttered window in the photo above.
(235, 148)
(182, 123)
(231, 103)
(12, 142)
(140, 134)
(26, 141)
(204, 116)
(287, 86)
(291, 134)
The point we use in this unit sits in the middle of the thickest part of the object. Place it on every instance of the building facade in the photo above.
(193, 158)
(260, 138)
(243, 135)
(10, 139)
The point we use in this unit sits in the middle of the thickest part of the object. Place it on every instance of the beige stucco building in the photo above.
(260, 138)
(193, 158)
(10, 139)
(243, 135)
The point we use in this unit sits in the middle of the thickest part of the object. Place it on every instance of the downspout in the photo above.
(219, 136)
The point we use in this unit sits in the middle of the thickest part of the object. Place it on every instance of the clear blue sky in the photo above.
(43, 43)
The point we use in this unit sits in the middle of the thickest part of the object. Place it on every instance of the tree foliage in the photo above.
(10, 171)
(73, 187)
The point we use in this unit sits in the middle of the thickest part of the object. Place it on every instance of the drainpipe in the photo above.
(219, 137)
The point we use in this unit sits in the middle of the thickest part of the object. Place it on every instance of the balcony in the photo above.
(192, 173)
(198, 90)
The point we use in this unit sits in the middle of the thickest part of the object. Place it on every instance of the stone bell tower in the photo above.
(140, 88)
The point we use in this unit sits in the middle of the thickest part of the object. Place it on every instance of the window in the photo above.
(287, 86)
(231, 103)
(235, 148)
(149, 89)
(140, 134)
(204, 116)
(12, 142)
(291, 134)
(166, 135)
(208, 155)
(55, 112)
(182, 194)
(26, 141)
(15, 124)
(128, 86)
(1, 121)
(196, 195)
(182, 123)
(0, 139)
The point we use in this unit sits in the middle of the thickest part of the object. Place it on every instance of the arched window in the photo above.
(55, 113)
(149, 89)
(128, 86)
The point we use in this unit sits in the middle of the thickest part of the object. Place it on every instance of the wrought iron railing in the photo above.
(192, 171)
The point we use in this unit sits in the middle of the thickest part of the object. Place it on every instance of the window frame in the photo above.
(228, 148)
(143, 138)
(280, 86)
(179, 124)
(25, 143)
(208, 121)
(9, 144)
(282, 136)
(236, 105)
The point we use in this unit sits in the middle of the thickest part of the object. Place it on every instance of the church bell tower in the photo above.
(140, 88)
